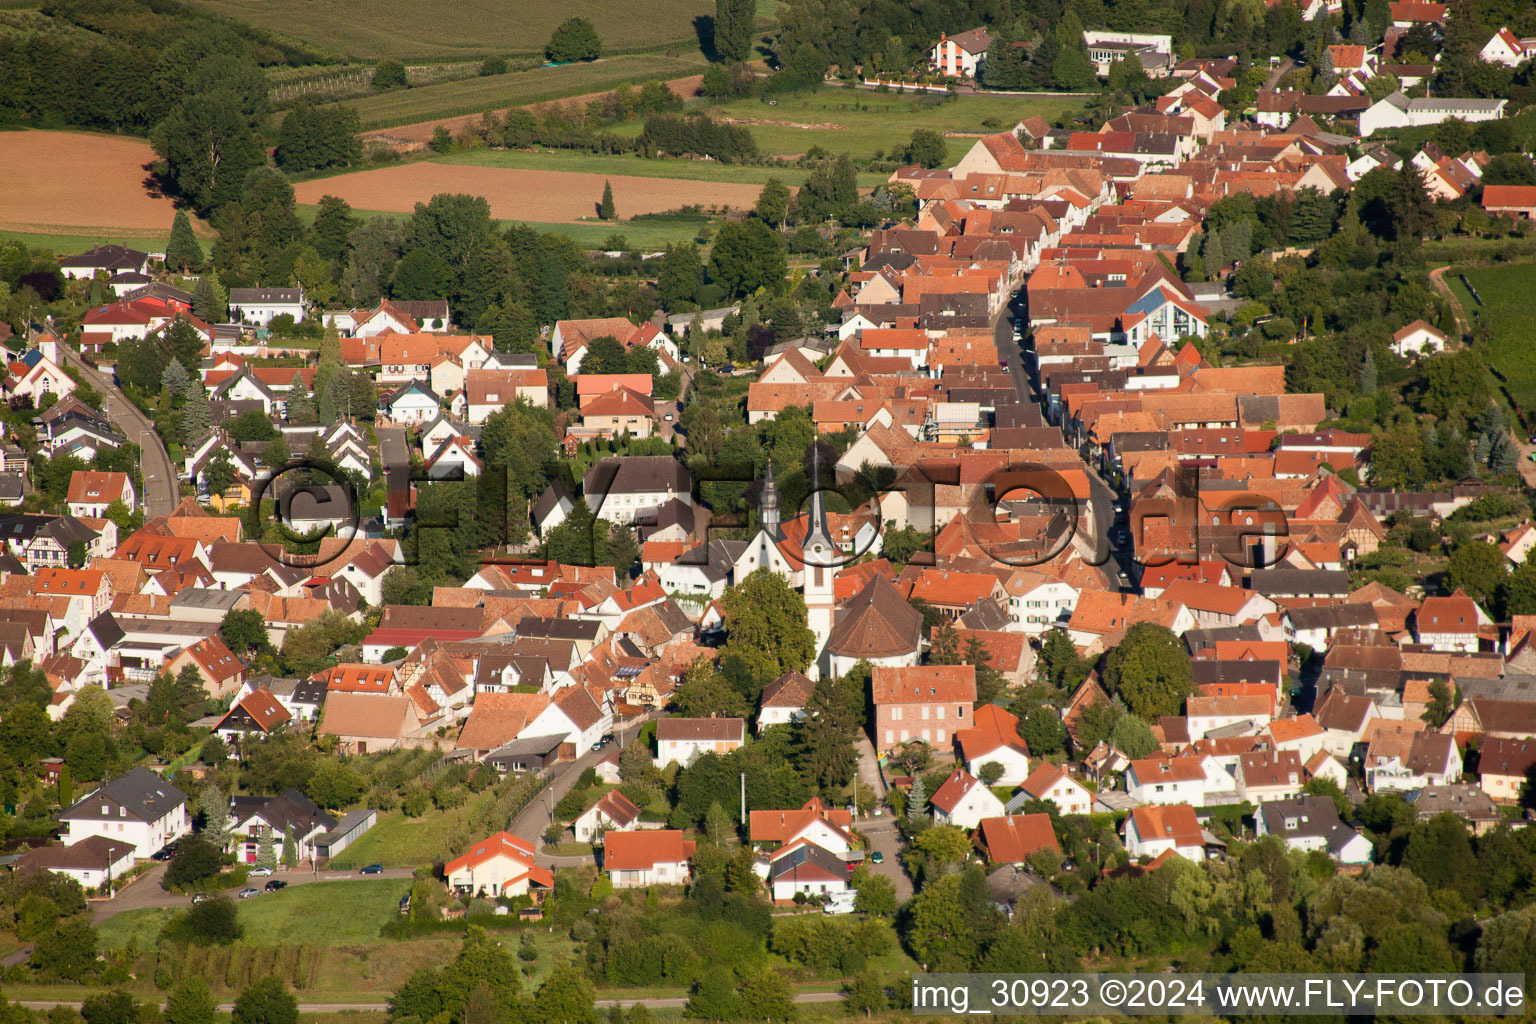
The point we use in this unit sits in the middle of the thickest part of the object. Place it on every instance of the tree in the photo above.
(213, 808)
(605, 209)
(927, 148)
(267, 1001)
(266, 850)
(214, 922)
(747, 256)
(244, 630)
(574, 40)
(946, 844)
(824, 736)
(66, 788)
(209, 140)
(190, 1002)
(1150, 671)
(1508, 943)
(566, 997)
(704, 693)
(1477, 567)
(773, 202)
(765, 626)
(735, 24)
(874, 893)
(67, 952)
(389, 74)
(944, 644)
(183, 253)
(1442, 701)
(210, 304)
(767, 992)
(1041, 729)
(290, 849)
(115, 1007)
(713, 996)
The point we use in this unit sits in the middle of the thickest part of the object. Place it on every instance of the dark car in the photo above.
(276, 884)
(372, 869)
(877, 857)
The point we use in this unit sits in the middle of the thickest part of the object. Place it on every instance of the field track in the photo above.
(71, 183)
(530, 195)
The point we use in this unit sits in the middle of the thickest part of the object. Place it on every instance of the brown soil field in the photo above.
(543, 196)
(410, 137)
(74, 183)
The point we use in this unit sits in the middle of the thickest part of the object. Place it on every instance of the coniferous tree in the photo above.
(183, 254)
(196, 417)
(605, 209)
(735, 24)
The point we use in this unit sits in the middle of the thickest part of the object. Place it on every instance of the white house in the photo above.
(635, 859)
(683, 739)
(1431, 759)
(93, 862)
(575, 716)
(1037, 602)
(290, 811)
(613, 811)
(501, 865)
(1504, 48)
(1310, 823)
(960, 55)
(963, 800)
(1049, 783)
(1417, 338)
(411, 404)
(804, 867)
(783, 700)
(827, 827)
(995, 740)
(139, 808)
(262, 305)
(1265, 775)
(90, 492)
(1179, 780)
(1152, 831)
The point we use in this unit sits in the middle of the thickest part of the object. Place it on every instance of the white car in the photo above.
(841, 903)
(258, 872)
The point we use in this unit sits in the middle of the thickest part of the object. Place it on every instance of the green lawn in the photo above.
(861, 122)
(517, 88)
(637, 166)
(1502, 327)
(412, 30)
(325, 913)
(68, 245)
(649, 233)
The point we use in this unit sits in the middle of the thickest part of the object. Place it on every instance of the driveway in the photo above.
(162, 486)
(146, 891)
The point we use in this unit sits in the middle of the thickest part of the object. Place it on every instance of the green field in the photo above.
(650, 233)
(861, 122)
(68, 245)
(1504, 324)
(637, 166)
(469, 28)
(325, 913)
(516, 89)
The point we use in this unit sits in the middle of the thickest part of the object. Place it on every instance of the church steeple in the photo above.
(768, 504)
(818, 548)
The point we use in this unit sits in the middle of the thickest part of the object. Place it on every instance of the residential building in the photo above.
(1153, 831)
(1309, 823)
(637, 859)
(498, 866)
(139, 808)
(925, 702)
(963, 800)
(683, 739)
(1011, 838)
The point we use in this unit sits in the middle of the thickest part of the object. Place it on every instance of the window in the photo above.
(925, 712)
(940, 712)
(959, 711)
(896, 714)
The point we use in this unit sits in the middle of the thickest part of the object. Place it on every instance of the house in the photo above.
(631, 488)
(1050, 783)
(1505, 767)
(489, 391)
(411, 404)
(1011, 838)
(1515, 200)
(256, 712)
(1152, 831)
(612, 811)
(35, 376)
(216, 665)
(368, 722)
(1188, 779)
(1504, 48)
(107, 259)
(960, 55)
(500, 865)
(619, 413)
(922, 702)
(1264, 775)
(1464, 800)
(648, 857)
(1450, 623)
(995, 739)
(827, 827)
(139, 808)
(90, 492)
(1309, 823)
(263, 305)
(783, 700)
(876, 625)
(803, 867)
(1417, 338)
(1430, 759)
(570, 339)
(963, 800)
(94, 862)
(290, 812)
(576, 717)
(1344, 719)
(683, 739)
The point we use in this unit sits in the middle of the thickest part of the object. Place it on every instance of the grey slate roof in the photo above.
(141, 793)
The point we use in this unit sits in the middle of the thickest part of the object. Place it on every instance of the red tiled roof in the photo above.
(644, 849)
(1012, 838)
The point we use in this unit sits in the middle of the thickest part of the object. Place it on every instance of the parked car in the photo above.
(246, 894)
(405, 904)
(877, 857)
(276, 884)
(599, 745)
(259, 872)
(199, 897)
(372, 869)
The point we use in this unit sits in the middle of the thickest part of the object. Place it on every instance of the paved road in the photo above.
(532, 820)
(1273, 81)
(162, 487)
(146, 891)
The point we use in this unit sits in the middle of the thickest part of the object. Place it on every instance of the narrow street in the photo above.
(162, 486)
(145, 891)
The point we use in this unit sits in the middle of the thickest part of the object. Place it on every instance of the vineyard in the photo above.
(330, 83)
